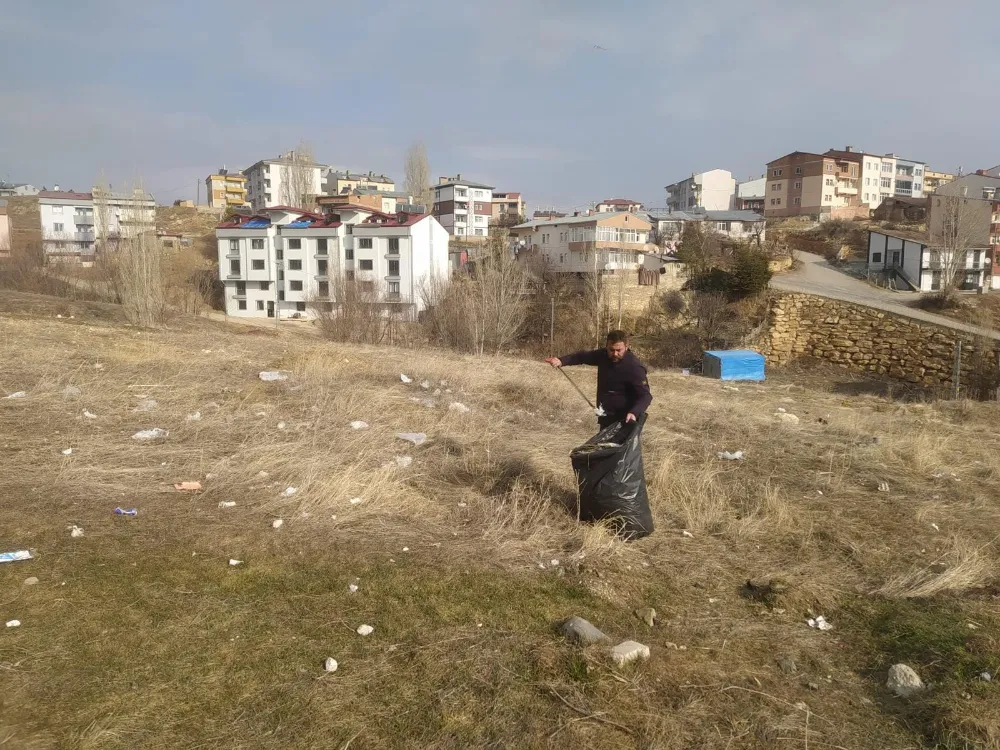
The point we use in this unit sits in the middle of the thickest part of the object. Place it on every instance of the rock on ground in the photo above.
(787, 418)
(647, 615)
(628, 651)
(903, 681)
(581, 631)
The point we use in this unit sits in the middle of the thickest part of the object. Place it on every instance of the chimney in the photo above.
(981, 172)
(849, 149)
(458, 177)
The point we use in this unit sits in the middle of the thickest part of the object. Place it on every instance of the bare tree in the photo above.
(959, 229)
(417, 175)
(297, 173)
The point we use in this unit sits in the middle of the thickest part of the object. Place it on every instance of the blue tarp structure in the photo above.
(739, 364)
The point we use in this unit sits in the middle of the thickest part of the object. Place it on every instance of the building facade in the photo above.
(611, 205)
(336, 183)
(750, 195)
(463, 207)
(73, 223)
(714, 190)
(286, 262)
(272, 182)
(970, 205)
(895, 256)
(733, 225)
(12, 190)
(226, 189)
(596, 243)
(507, 206)
(807, 184)
(933, 180)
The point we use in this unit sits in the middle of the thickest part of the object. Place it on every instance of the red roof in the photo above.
(401, 220)
(334, 208)
(65, 195)
(291, 210)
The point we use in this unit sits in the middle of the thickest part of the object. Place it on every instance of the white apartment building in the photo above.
(72, 223)
(887, 176)
(281, 260)
(12, 190)
(714, 190)
(463, 207)
(734, 225)
(268, 183)
(594, 243)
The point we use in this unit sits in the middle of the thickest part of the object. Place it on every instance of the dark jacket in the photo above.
(622, 387)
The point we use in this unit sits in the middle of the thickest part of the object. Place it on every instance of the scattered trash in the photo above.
(417, 438)
(21, 554)
(903, 681)
(289, 491)
(787, 418)
(460, 408)
(75, 531)
(355, 500)
(233, 563)
(688, 534)
(935, 527)
(781, 410)
(403, 461)
(156, 433)
(685, 372)
(406, 549)
(553, 563)
(462, 505)
(883, 486)
(196, 416)
(281, 425)
(187, 486)
(227, 504)
(261, 414)
(330, 665)
(986, 677)
(277, 523)
(269, 376)
(425, 385)
(727, 456)
(68, 452)
(18, 394)
(405, 379)
(88, 415)
(713, 601)
(13, 623)
(599, 411)
(365, 630)
(71, 391)
(124, 512)
(819, 623)
(628, 651)
(145, 405)
(353, 588)
(357, 424)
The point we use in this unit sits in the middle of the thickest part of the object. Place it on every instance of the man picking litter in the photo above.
(622, 389)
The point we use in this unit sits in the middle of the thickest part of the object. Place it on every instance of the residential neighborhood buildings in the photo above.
(910, 259)
(933, 180)
(72, 223)
(273, 182)
(714, 190)
(802, 183)
(336, 183)
(463, 207)
(507, 206)
(593, 243)
(750, 195)
(733, 225)
(226, 189)
(970, 207)
(286, 262)
(13, 190)
(618, 204)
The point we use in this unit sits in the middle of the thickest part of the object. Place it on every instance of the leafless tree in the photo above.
(417, 175)
(297, 172)
(358, 311)
(959, 228)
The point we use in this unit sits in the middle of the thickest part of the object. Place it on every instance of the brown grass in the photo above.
(139, 634)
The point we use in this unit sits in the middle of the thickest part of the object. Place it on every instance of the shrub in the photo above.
(750, 273)
(673, 302)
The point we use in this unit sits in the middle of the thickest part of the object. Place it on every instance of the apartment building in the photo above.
(507, 205)
(595, 243)
(463, 207)
(14, 190)
(336, 183)
(284, 261)
(750, 195)
(275, 182)
(977, 215)
(803, 183)
(733, 225)
(226, 189)
(933, 180)
(72, 223)
(714, 190)
(611, 205)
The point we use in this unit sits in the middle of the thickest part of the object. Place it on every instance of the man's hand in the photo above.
(554, 361)
(630, 417)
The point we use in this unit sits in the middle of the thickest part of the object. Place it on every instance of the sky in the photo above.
(567, 101)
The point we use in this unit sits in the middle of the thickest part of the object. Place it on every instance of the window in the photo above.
(394, 287)
(886, 182)
(279, 254)
(918, 171)
(866, 197)
(260, 304)
(241, 289)
(349, 275)
(779, 201)
(775, 187)
(234, 267)
(796, 201)
(886, 167)
(267, 183)
(265, 285)
(479, 194)
(798, 184)
(348, 253)
(480, 232)
(854, 170)
(868, 180)
(366, 265)
(829, 167)
(295, 286)
(772, 201)
(828, 197)
(241, 304)
(294, 265)
(917, 186)
(57, 227)
(876, 257)
(321, 267)
(775, 173)
(267, 197)
(294, 244)
(257, 264)
(234, 246)
(830, 182)
(321, 246)
(365, 243)
(798, 170)
(324, 289)
(57, 209)
(461, 193)
(256, 244)
(722, 226)
(300, 306)
(394, 244)
(394, 268)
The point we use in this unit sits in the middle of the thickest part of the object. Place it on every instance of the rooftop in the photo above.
(664, 214)
(600, 216)
(619, 202)
(370, 176)
(66, 195)
(506, 195)
(457, 180)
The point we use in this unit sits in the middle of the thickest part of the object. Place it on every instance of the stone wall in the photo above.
(864, 339)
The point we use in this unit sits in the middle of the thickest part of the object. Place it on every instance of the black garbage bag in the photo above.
(611, 481)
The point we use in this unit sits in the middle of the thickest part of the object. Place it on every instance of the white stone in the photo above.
(75, 531)
(269, 376)
(13, 623)
(403, 461)
(581, 631)
(89, 415)
(405, 379)
(30, 581)
(355, 500)
(358, 424)
(277, 523)
(353, 588)
(365, 630)
(903, 681)
(17, 394)
(787, 418)
(425, 385)
(688, 534)
(628, 651)
(458, 407)
(289, 491)
(281, 425)
(67, 452)
(330, 665)
(227, 504)
(155, 433)
(193, 417)
(234, 563)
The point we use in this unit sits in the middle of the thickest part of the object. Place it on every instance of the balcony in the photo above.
(83, 219)
(847, 188)
(84, 237)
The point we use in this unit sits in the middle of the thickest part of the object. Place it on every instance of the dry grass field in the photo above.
(140, 634)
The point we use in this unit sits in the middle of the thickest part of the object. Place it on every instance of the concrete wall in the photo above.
(864, 340)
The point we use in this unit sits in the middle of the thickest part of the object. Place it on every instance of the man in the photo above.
(622, 388)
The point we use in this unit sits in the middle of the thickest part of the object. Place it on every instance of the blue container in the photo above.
(739, 364)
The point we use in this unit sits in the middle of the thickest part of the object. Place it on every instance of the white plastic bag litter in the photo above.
(358, 424)
(155, 433)
(417, 438)
(727, 456)
(18, 394)
(403, 378)
(269, 376)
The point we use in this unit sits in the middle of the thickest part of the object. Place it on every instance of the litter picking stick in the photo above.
(577, 388)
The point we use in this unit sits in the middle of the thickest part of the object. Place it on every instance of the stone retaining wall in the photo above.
(864, 339)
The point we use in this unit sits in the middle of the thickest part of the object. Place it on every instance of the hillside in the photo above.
(141, 633)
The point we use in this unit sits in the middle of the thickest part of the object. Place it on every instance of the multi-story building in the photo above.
(287, 262)
(226, 189)
(969, 205)
(883, 176)
(933, 180)
(463, 207)
(12, 190)
(594, 243)
(750, 195)
(611, 205)
(802, 183)
(73, 223)
(287, 179)
(507, 206)
(734, 225)
(336, 183)
(714, 190)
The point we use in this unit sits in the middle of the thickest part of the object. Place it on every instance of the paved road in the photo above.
(816, 276)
